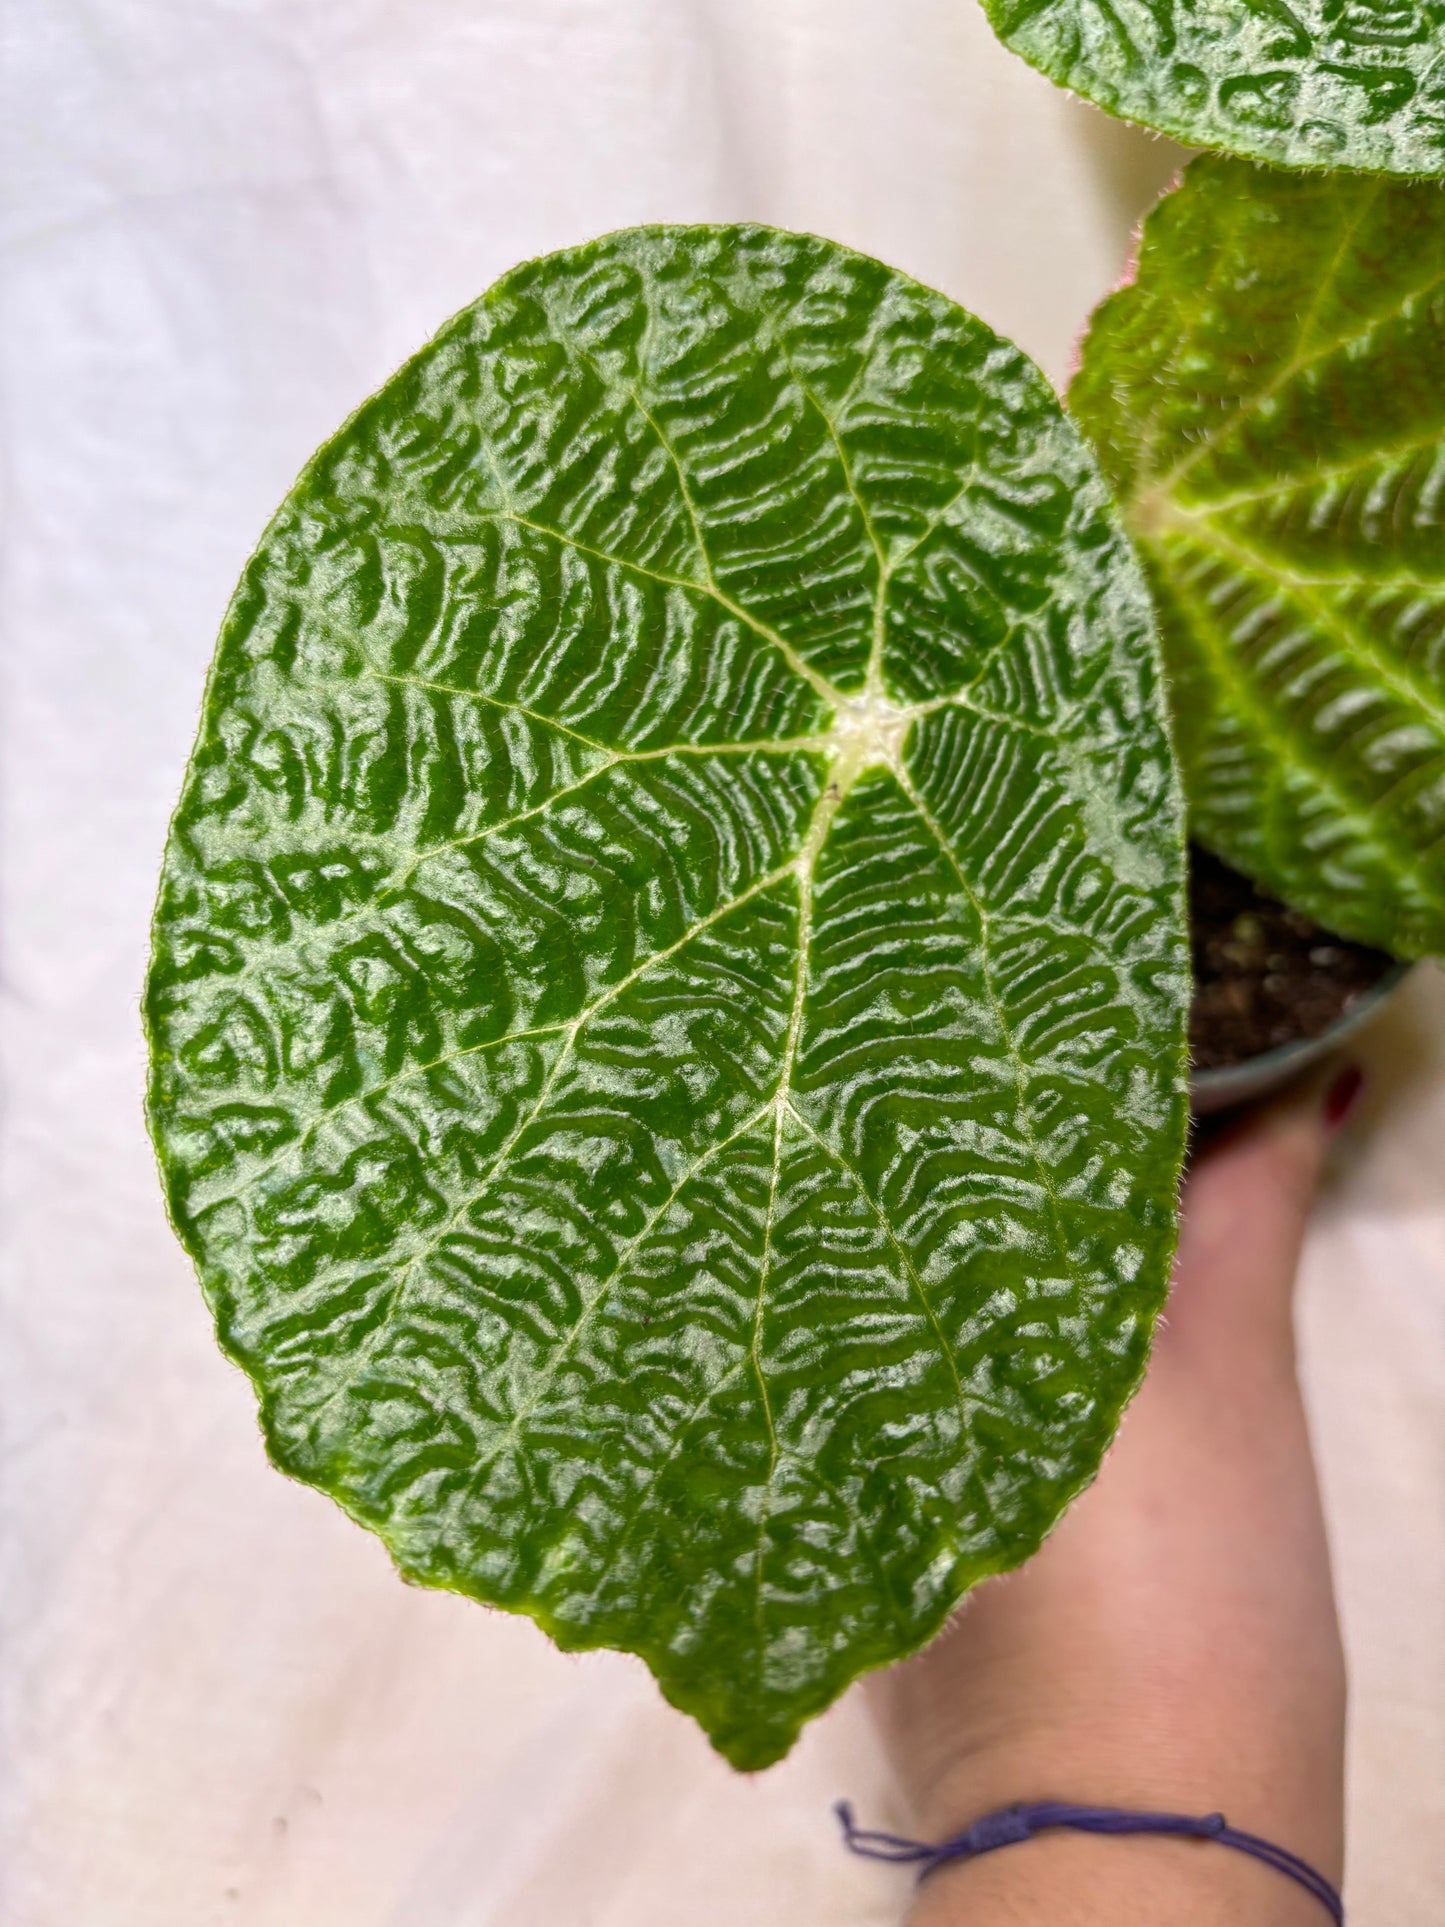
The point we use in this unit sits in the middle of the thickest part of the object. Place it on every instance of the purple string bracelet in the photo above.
(1010, 1825)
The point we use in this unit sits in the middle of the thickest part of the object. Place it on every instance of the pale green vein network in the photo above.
(707, 587)
(850, 759)
(569, 1033)
(506, 1296)
(999, 1015)
(945, 1351)
(871, 733)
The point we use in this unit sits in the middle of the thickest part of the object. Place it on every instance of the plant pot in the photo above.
(1226, 1085)
(1264, 971)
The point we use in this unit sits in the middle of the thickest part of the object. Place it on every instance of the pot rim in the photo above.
(1228, 1084)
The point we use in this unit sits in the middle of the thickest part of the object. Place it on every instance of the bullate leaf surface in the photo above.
(667, 1004)
(1302, 83)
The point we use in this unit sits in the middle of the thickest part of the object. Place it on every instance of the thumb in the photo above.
(1245, 1205)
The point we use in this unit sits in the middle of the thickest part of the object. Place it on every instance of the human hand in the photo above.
(1174, 1645)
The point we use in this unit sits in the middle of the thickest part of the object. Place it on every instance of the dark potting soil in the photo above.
(1264, 974)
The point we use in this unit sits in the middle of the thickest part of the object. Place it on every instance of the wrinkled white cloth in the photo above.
(223, 223)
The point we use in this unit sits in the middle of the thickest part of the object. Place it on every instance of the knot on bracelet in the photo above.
(1002, 1829)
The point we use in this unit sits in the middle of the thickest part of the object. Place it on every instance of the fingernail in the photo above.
(1343, 1095)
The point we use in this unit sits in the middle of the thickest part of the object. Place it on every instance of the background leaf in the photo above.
(1269, 400)
(668, 994)
(1305, 83)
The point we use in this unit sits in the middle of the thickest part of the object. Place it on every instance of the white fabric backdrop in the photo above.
(224, 221)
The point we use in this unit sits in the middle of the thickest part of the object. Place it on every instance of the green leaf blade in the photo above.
(1266, 399)
(667, 1008)
(1308, 84)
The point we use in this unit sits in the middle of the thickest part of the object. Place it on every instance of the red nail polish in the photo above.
(1343, 1095)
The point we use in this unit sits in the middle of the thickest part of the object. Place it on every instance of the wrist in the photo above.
(1069, 1879)
(1144, 1750)
(1149, 1763)
(1211, 1732)
(1156, 1757)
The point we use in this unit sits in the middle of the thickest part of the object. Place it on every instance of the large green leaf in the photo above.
(669, 977)
(1305, 83)
(1269, 400)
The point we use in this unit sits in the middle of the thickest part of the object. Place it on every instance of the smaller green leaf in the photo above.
(1304, 83)
(1267, 398)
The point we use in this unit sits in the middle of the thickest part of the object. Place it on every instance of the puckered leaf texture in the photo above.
(667, 1004)
(1302, 83)
(1268, 397)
